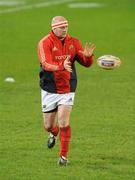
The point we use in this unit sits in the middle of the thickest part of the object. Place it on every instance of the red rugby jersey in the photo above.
(52, 53)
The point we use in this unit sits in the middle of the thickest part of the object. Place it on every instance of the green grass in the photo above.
(103, 118)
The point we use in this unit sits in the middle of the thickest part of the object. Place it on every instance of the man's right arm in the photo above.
(46, 60)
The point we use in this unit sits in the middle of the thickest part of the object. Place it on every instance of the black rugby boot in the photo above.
(63, 161)
(51, 141)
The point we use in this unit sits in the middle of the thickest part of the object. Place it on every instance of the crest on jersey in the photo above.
(71, 46)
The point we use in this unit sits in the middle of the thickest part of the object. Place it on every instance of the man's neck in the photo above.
(61, 39)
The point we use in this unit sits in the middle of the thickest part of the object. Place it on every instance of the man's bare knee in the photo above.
(64, 115)
(48, 124)
(47, 127)
(49, 119)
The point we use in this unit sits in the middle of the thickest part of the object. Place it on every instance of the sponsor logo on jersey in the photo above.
(62, 57)
(55, 48)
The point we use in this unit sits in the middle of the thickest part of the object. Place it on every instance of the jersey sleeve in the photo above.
(46, 59)
(81, 59)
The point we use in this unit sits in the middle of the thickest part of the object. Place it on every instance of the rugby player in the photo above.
(58, 52)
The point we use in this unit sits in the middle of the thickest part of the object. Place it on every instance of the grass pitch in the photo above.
(103, 118)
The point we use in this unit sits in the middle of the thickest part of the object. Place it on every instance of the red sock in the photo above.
(55, 130)
(65, 135)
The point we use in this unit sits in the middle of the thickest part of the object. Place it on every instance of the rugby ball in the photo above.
(108, 62)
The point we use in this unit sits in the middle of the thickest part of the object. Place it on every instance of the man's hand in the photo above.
(67, 65)
(88, 50)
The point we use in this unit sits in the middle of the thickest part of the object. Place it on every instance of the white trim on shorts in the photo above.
(50, 101)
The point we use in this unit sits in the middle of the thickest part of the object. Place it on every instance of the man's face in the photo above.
(61, 32)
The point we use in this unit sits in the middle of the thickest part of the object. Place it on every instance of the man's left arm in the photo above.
(85, 55)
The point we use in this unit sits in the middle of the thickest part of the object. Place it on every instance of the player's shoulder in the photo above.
(74, 39)
(45, 39)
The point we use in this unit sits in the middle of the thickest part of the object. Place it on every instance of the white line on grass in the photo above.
(11, 3)
(85, 5)
(32, 6)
